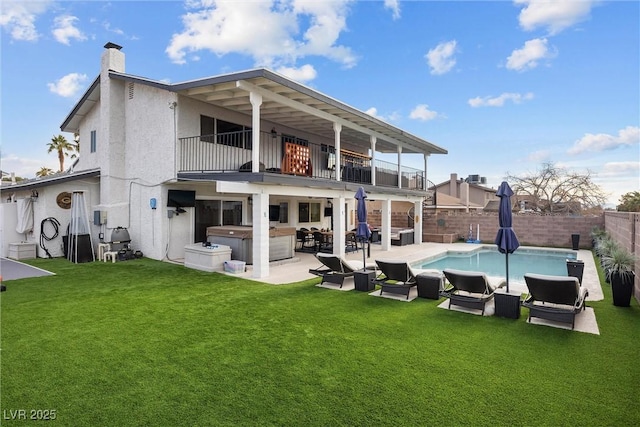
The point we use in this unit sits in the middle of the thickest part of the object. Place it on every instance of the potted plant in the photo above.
(619, 265)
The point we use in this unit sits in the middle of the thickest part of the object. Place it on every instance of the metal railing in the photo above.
(232, 152)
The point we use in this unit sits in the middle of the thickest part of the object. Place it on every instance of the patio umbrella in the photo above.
(362, 231)
(506, 238)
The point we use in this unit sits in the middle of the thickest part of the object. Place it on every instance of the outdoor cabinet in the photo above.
(429, 285)
(507, 304)
(363, 280)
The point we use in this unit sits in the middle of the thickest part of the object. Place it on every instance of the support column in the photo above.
(260, 235)
(256, 102)
(337, 128)
(339, 230)
(386, 225)
(417, 222)
(425, 185)
(399, 166)
(373, 159)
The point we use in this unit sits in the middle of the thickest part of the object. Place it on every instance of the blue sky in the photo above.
(502, 85)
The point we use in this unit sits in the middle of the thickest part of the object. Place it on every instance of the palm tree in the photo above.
(76, 145)
(62, 146)
(44, 171)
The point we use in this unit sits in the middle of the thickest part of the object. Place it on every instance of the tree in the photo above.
(630, 202)
(44, 171)
(60, 145)
(555, 189)
(76, 145)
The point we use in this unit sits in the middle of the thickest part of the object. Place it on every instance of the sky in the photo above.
(504, 86)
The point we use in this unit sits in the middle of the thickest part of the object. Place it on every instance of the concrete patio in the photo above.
(297, 269)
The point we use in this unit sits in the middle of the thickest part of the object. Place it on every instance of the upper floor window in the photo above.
(225, 133)
(94, 141)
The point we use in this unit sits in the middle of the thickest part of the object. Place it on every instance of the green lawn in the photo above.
(150, 343)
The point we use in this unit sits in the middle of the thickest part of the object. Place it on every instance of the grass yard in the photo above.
(149, 343)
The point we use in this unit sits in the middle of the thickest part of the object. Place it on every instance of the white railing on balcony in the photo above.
(232, 152)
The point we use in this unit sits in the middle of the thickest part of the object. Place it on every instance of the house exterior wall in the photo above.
(45, 207)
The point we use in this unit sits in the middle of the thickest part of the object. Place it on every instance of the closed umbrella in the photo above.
(362, 231)
(506, 238)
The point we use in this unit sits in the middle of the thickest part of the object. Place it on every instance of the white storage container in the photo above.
(234, 266)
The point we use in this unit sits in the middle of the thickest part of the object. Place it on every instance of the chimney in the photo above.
(112, 58)
(464, 195)
(453, 185)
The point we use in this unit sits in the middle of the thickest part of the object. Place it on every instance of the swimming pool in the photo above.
(488, 260)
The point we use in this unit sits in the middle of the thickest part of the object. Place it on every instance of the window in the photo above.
(93, 141)
(207, 128)
(233, 135)
(309, 212)
(225, 133)
(284, 213)
(215, 212)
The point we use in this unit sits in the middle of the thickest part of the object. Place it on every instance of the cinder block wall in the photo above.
(532, 230)
(624, 227)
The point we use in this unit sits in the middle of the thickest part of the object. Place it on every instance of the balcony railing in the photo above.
(232, 152)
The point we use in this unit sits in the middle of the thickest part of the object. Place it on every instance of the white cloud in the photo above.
(303, 74)
(441, 59)
(25, 167)
(69, 85)
(65, 30)
(19, 18)
(554, 15)
(499, 101)
(421, 112)
(621, 169)
(373, 111)
(539, 156)
(394, 5)
(528, 56)
(601, 142)
(276, 38)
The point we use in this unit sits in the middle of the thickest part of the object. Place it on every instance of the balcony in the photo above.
(231, 153)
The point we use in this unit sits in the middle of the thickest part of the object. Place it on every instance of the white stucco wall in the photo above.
(46, 206)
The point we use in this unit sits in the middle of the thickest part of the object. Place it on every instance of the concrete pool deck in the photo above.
(297, 269)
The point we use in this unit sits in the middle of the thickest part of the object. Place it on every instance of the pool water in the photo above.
(492, 262)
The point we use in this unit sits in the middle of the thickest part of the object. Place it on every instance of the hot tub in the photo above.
(282, 241)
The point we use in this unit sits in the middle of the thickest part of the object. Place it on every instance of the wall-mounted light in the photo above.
(250, 200)
(274, 134)
(34, 195)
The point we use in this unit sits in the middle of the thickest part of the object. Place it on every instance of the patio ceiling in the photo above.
(296, 106)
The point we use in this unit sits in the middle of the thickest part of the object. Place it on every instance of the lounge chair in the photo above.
(470, 289)
(395, 277)
(334, 269)
(557, 298)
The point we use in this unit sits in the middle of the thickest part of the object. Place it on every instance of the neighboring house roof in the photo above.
(471, 185)
(50, 180)
(284, 101)
(445, 201)
(492, 206)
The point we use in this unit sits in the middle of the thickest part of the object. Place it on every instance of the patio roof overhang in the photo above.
(284, 102)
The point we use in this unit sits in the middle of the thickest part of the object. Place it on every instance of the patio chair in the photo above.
(395, 277)
(323, 242)
(556, 298)
(304, 240)
(470, 289)
(335, 269)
